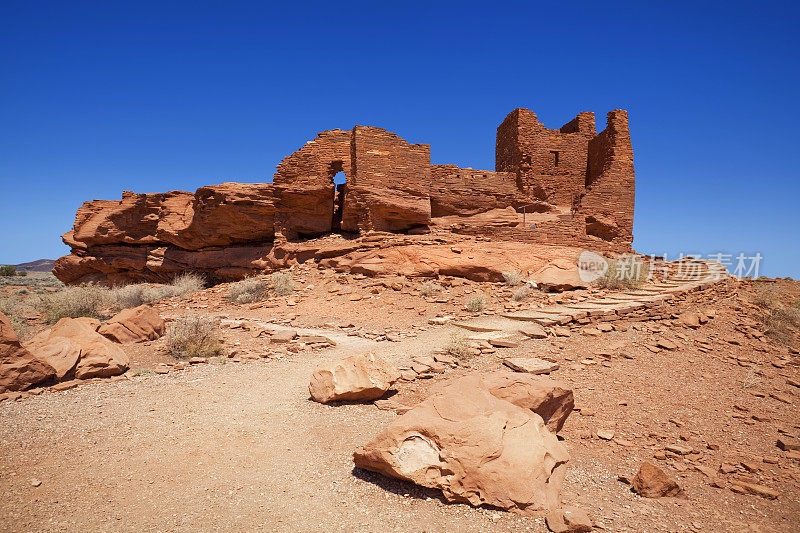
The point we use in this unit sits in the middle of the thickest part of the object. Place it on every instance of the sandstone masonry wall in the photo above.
(579, 184)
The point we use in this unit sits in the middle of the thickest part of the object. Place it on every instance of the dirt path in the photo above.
(231, 447)
(240, 447)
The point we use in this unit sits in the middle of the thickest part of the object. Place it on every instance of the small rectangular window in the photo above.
(555, 157)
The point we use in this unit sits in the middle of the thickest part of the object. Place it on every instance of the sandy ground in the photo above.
(239, 446)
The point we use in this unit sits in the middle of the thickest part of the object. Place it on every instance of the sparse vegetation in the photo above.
(476, 302)
(15, 310)
(459, 347)
(82, 300)
(779, 315)
(247, 291)
(138, 294)
(193, 337)
(35, 281)
(625, 272)
(282, 283)
(520, 293)
(429, 288)
(513, 278)
(186, 284)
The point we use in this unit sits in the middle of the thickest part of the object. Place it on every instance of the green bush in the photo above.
(8, 270)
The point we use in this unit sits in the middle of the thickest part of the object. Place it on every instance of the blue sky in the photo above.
(105, 96)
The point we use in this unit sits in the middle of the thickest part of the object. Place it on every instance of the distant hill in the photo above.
(40, 265)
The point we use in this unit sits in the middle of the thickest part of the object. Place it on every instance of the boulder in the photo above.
(19, 369)
(560, 274)
(550, 399)
(568, 520)
(475, 448)
(652, 482)
(690, 320)
(354, 378)
(139, 324)
(73, 348)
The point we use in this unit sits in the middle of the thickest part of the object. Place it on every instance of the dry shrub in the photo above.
(187, 283)
(73, 302)
(429, 288)
(193, 337)
(476, 302)
(459, 347)
(137, 294)
(15, 310)
(780, 317)
(247, 291)
(625, 272)
(520, 293)
(282, 283)
(513, 277)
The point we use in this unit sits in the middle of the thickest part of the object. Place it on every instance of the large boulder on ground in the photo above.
(354, 378)
(550, 399)
(475, 448)
(652, 482)
(19, 369)
(561, 274)
(139, 324)
(73, 348)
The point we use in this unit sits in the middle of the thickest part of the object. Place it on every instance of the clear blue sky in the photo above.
(97, 97)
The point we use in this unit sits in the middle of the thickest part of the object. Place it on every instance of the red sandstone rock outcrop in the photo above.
(475, 448)
(139, 324)
(575, 187)
(75, 349)
(18, 368)
(355, 378)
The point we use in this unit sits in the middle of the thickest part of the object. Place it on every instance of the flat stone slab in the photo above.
(531, 365)
(476, 327)
(504, 342)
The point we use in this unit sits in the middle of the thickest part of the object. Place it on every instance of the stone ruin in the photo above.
(569, 186)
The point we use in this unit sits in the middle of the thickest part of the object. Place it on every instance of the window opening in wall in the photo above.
(555, 157)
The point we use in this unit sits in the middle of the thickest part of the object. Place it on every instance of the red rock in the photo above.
(788, 443)
(450, 442)
(652, 482)
(76, 349)
(548, 398)
(355, 378)
(534, 331)
(568, 520)
(230, 230)
(754, 488)
(19, 369)
(139, 324)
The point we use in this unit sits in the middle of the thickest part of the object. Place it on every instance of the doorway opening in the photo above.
(339, 180)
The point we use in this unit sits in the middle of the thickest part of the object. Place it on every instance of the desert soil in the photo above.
(240, 446)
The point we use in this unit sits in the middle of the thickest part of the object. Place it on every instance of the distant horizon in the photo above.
(153, 97)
